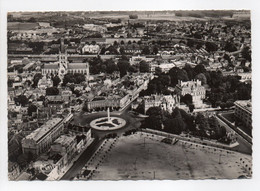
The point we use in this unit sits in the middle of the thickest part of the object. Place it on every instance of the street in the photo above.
(244, 146)
(79, 164)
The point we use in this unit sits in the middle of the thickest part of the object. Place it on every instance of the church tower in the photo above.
(63, 60)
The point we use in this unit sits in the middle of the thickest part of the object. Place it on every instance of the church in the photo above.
(63, 67)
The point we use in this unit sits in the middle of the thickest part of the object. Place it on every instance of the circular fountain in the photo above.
(108, 123)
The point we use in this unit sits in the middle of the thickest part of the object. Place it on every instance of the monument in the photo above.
(108, 123)
(108, 115)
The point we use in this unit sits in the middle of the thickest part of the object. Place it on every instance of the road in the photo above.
(244, 146)
(85, 156)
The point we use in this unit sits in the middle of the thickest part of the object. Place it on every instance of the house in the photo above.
(195, 89)
(91, 49)
(165, 102)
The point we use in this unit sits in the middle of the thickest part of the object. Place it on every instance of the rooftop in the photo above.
(64, 140)
(51, 66)
(246, 104)
(77, 65)
(44, 129)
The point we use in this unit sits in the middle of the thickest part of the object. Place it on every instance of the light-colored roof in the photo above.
(51, 66)
(77, 65)
(64, 140)
(44, 129)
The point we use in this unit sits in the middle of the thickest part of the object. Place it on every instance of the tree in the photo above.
(32, 108)
(190, 43)
(36, 79)
(177, 74)
(22, 160)
(191, 107)
(111, 66)
(201, 77)
(199, 69)
(10, 82)
(154, 111)
(230, 47)
(52, 91)
(215, 79)
(123, 66)
(189, 71)
(244, 91)
(122, 50)
(133, 16)
(32, 20)
(155, 50)
(246, 53)
(146, 50)
(144, 66)
(187, 99)
(112, 50)
(199, 118)
(133, 68)
(56, 80)
(152, 122)
(103, 50)
(158, 28)
(21, 99)
(75, 78)
(175, 126)
(210, 46)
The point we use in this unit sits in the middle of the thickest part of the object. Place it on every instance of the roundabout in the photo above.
(107, 123)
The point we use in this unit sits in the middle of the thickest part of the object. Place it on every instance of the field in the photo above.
(21, 26)
(168, 17)
(143, 156)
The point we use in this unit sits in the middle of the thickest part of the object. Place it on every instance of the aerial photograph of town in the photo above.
(129, 95)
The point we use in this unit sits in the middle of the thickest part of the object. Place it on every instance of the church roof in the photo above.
(51, 66)
(77, 65)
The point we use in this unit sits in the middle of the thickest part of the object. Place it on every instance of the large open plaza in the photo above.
(143, 156)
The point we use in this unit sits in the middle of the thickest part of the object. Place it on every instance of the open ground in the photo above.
(142, 156)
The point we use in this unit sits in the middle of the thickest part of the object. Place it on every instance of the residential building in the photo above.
(243, 111)
(45, 82)
(91, 49)
(13, 170)
(195, 89)
(165, 67)
(165, 102)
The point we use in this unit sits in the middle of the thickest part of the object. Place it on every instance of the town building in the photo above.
(113, 101)
(91, 49)
(165, 102)
(165, 67)
(243, 111)
(245, 76)
(45, 82)
(41, 139)
(13, 170)
(195, 89)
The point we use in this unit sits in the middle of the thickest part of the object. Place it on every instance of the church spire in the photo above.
(62, 48)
